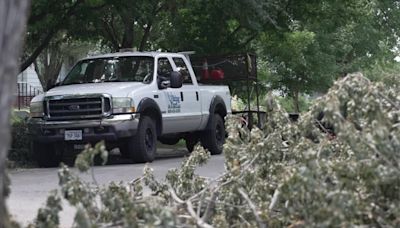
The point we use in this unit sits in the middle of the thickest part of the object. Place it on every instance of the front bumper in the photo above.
(108, 129)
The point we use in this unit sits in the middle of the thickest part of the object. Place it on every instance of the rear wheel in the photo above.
(46, 154)
(213, 139)
(143, 146)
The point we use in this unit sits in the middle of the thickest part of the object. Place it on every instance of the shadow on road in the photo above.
(163, 152)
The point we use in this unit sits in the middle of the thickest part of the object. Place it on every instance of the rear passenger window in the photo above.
(183, 69)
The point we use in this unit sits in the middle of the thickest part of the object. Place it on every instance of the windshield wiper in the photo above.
(75, 83)
(116, 80)
(72, 83)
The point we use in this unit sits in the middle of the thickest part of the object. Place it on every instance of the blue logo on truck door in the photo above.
(174, 105)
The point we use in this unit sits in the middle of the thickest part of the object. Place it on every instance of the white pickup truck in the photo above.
(129, 100)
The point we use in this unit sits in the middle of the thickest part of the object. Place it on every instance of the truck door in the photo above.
(170, 101)
(190, 97)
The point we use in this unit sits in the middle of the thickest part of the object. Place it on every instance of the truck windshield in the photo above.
(116, 69)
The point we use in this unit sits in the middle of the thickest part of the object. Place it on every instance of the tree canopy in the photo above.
(325, 40)
(305, 44)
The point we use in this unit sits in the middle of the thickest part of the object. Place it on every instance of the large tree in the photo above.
(12, 25)
(298, 64)
(306, 43)
(324, 40)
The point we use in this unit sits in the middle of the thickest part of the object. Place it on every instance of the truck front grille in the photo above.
(78, 108)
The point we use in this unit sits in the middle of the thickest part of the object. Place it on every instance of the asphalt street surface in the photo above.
(30, 187)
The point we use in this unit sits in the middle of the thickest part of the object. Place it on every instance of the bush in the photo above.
(20, 153)
(288, 174)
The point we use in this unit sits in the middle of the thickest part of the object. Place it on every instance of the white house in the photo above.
(30, 78)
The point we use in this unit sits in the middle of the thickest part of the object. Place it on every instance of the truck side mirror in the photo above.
(176, 79)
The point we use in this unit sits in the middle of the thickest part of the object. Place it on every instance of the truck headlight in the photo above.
(36, 109)
(123, 105)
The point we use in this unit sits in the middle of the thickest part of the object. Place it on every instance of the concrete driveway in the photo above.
(30, 187)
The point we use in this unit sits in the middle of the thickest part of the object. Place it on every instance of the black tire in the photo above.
(46, 154)
(213, 139)
(143, 147)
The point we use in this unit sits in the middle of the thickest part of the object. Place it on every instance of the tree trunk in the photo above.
(48, 66)
(109, 34)
(127, 39)
(146, 34)
(13, 16)
(296, 106)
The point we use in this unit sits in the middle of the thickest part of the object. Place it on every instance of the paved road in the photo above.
(30, 187)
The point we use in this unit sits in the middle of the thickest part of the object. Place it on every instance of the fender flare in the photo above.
(217, 105)
(148, 106)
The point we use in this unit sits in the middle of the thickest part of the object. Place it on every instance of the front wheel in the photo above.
(143, 147)
(213, 139)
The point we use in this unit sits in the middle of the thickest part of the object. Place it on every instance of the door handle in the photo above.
(181, 96)
(197, 95)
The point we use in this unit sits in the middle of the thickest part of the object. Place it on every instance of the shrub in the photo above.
(20, 153)
(288, 174)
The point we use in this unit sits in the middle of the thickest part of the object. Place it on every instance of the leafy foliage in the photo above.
(306, 45)
(121, 24)
(20, 153)
(47, 25)
(387, 72)
(287, 103)
(288, 174)
(217, 27)
(325, 40)
(48, 216)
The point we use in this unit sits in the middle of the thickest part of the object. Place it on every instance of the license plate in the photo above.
(72, 135)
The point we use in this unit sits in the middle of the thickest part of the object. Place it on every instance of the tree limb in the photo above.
(253, 208)
(45, 42)
(199, 221)
(275, 198)
(189, 207)
(210, 207)
(109, 31)
(388, 100)
(248, 40)
(236, 30)
(147, 30)
(145, 37)
(27, 62)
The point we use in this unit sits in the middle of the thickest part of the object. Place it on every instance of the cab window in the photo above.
(183, 69)
(164, 68)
